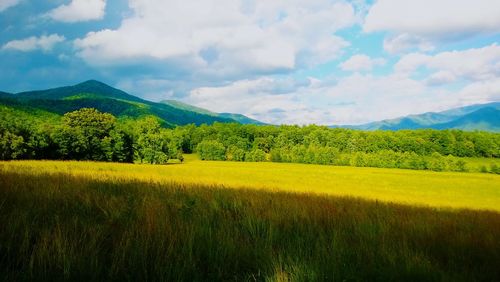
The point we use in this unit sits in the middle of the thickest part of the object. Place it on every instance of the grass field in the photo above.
(100, 221)
(436, 189)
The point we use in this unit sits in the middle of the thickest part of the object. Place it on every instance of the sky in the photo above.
(279, 61)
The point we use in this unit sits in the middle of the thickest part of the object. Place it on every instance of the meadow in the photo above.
(422, 188)
(207, 221)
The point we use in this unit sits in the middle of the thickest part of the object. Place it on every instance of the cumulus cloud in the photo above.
(430, 17)
(79, 11)
(404, 42)
(415, 24)
(440, 78)
(480, 92)
(354, 99)
(363, 97)
(5, 4)
(44, 43)
(269, 99)
(361, 62)
(224, 37)
(471, 65)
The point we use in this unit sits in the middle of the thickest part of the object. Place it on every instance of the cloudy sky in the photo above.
(280, 61)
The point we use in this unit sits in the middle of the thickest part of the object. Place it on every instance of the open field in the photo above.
(132, 223)
(436, 189)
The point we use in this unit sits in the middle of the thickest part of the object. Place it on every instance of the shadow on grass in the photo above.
(60, 227)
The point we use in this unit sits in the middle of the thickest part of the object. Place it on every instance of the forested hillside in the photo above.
(95, 94)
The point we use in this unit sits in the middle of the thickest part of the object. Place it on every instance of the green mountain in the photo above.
(237, 117)
(240, 118)
(95, 94)
(183, 106)
(5, 94)
(474, 117)
(483, 119)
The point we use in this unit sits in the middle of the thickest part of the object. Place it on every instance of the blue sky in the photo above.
(280, 61)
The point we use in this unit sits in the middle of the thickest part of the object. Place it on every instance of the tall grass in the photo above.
(424, 188)
(61, 226)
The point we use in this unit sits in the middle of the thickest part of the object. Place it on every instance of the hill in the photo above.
(5, 94)
(473, 117)
(105, 98)
(482, 119)
(237, 117)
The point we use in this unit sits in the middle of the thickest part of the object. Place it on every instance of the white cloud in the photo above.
(471, 65)
(431, 17)
(272, 100)
(79, 10)
(440, 78)
(404, 42)
(360, 98)
(417, 24)
(361, 62)
(354, 99)
(44, 42)
(5, 4)
(224, 38)
(480, 92)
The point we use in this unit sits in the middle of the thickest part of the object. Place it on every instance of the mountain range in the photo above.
(95, 94)
(105, 98)
(475, 117)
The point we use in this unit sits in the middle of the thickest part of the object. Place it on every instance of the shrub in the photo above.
(494, 169)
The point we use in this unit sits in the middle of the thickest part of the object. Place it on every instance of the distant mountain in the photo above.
(482, 119)
(183, 106)
(5, 95)
(240, 118)
(474, 117)
(237, 117)
(88, 88)
(105, 98)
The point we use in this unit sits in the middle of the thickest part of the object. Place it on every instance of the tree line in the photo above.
(85, 134)
(426, 149)
(88, 134)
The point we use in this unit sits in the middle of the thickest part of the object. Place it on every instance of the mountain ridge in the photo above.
(471, 117)
(237, 117)
(96, 94)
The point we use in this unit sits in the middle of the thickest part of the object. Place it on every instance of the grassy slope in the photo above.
(65, 225)
(437, 189)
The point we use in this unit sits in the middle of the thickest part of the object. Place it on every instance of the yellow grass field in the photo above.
(423, 188)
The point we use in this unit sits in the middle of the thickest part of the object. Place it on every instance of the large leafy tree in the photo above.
(149, 144)
(86, 135)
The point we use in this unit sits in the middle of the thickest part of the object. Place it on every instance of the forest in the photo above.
(88, 134)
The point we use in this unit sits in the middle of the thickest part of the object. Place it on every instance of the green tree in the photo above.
(11, 146)
(83, 133)
(256, 155)
(234, 153)
(211, 150)
(149, 144)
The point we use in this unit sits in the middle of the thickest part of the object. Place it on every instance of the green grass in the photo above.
(228, 221)
(65, 226)
(423, 188)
